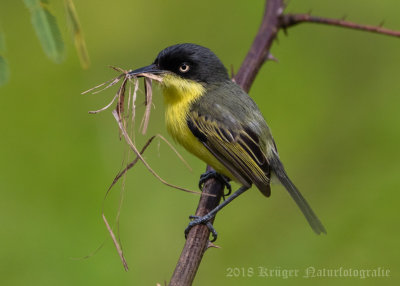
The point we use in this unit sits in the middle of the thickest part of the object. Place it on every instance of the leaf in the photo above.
(45, 25)
(2, 43)
(79, 40)
(4, 71)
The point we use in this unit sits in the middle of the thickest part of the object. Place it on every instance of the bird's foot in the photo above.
(213, 174)
(196, 220)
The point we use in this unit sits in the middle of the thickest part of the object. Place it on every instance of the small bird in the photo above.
(217, 121)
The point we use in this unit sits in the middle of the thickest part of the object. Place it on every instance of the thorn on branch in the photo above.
(283, 27)
(210, 244)
(271, 57)
(280, 11)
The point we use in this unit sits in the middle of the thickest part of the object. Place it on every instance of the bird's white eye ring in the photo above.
(184, 68)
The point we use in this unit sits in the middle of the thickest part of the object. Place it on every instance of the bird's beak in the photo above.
(153, 69)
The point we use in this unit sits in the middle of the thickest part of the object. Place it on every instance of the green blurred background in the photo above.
(332, 103)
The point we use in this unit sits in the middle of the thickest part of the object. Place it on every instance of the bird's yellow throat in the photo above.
(177, 90)
(179, 94)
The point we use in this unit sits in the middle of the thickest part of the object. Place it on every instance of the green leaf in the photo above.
(76, 29)
(4, 71)
(2, 43)
(45, 25)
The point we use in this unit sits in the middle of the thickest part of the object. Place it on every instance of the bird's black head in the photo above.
(192, 62)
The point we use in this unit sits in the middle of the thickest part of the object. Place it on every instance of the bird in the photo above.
(217, 121)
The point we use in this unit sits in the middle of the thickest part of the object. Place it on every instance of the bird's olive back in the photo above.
(193, 62)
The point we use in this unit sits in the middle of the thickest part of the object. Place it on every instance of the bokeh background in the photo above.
(332, 103)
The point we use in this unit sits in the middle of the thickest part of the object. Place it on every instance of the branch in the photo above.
(197, 240)
(289, 20)
(259, 50)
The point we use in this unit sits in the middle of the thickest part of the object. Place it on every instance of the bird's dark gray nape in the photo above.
(205, 66)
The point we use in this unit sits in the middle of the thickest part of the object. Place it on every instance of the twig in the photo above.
(259, 50)
(130, 165)
(289, 20)
(149, 98)
(115, 241)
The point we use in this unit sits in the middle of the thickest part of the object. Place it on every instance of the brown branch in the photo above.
(289, 20)
(273, 20)
(259, 50)
(197, 241)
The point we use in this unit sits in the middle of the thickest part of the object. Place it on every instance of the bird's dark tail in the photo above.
(311, 217)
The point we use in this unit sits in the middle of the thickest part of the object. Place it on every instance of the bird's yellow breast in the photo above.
(179, 95)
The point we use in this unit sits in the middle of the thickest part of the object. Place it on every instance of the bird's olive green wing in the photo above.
(236, 147)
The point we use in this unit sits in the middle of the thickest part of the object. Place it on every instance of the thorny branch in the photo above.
(289, 20)
(274, 19)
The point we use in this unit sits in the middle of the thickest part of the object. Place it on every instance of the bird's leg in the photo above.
(213, 174)
(206, 219)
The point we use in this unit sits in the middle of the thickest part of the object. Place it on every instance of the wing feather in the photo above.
(238, 149)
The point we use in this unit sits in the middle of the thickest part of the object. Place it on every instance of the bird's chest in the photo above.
(177, 107)
(176, 122)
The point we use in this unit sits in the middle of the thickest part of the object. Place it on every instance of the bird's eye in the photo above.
(184, 68)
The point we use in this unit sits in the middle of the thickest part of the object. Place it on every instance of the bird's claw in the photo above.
(196, 220)
(213, 174)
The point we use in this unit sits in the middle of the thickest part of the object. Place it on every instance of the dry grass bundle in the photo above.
(130, 108)
(124, 114)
